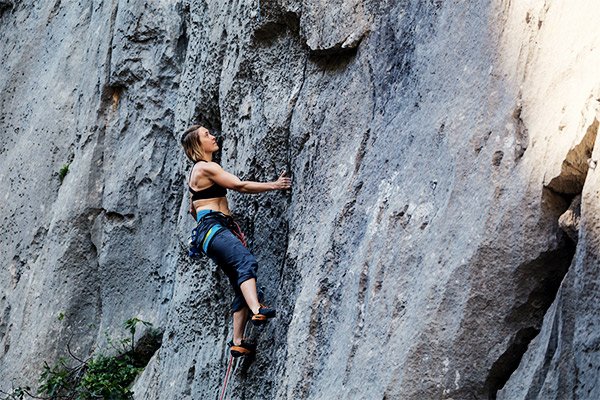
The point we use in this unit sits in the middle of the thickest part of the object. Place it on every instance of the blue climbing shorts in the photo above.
(217, 241)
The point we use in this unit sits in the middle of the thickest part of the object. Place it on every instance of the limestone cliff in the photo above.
(433, 147)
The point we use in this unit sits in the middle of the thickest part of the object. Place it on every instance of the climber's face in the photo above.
(209, 142)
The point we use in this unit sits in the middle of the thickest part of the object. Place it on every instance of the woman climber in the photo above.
(218, 236)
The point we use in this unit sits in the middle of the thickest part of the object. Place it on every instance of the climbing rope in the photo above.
(226, 376)
(260, 295)
(237, 231)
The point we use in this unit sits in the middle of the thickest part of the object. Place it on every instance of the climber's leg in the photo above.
(240, 266)
(260, 313)
(248, 289)
(240, 318)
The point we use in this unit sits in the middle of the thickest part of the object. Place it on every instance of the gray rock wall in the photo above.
(433, 147)
(84, 84)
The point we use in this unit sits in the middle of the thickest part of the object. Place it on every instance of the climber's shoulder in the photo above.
(206, 167)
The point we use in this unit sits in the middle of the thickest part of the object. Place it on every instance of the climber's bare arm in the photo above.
(218, 175)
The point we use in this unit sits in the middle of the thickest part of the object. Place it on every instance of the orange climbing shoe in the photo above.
(245, 348)
(264, 314)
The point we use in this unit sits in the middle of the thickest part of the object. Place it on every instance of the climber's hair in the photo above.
(190, 140)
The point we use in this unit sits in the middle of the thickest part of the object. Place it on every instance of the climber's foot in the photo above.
(245, 348)
(263, 315)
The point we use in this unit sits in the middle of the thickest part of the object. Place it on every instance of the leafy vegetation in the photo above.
(65, 168)
(63, 172)
(101, 376)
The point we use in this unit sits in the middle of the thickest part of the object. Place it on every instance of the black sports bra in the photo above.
(210, 192)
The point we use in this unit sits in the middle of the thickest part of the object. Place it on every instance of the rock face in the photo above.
(433, 147)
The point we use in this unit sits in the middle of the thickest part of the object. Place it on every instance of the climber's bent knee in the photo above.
(234, 258)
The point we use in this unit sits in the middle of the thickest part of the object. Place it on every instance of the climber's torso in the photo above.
(215, 204)
(206, 195)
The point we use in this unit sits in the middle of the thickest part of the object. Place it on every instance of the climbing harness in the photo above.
(199, 245)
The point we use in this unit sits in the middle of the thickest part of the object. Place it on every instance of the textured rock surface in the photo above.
(569, 221)
(80, 87)
(433, 147)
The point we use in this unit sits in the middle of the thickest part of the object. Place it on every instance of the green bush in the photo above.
(109, 377)
(63, 172)
(65, 168)
(100, 376)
